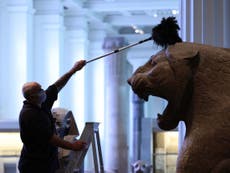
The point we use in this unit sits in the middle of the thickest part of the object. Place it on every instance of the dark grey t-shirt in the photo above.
(36, 128)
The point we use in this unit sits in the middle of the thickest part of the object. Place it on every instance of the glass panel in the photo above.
(10, 168)
(10, 144)
(165, 152)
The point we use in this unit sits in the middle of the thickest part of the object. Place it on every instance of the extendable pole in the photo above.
(118, 50)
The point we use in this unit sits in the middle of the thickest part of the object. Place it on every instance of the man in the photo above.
(37, 129)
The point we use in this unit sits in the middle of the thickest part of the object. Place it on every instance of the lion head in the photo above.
(169, 75)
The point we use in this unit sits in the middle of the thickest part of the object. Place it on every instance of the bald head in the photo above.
(30, 88)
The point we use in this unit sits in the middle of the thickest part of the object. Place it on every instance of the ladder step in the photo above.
(90, 134)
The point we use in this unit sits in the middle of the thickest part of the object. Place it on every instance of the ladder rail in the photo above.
(99, 152)
(95, 156)
(90, 134)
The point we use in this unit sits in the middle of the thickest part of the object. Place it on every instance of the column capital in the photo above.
(77, 27)
(113, 42)
(19, 6)
(116, 65)
(97, 34)
(19, 2)
(48, 7)
(75, 22)
(139, 56)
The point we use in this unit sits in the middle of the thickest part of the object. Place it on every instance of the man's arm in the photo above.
(61, 82)
(76, 145)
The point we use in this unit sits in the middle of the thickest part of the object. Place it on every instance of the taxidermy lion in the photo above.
(195, 80)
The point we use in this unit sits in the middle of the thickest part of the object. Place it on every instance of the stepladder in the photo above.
(75, 161)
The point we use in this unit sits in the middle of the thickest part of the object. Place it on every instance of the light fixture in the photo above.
(175, 12)
(137, 30)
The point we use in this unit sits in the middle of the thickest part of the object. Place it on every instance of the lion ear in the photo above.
(180, 51)
(193, 61)
(185, 52)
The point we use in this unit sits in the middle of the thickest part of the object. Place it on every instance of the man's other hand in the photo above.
(79, 145)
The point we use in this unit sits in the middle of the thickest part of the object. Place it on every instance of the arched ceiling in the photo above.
(124, 17)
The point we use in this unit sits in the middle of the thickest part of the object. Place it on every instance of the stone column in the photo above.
(75, 49)
(48, 35)
(94, 96)
(226, 23)
(16, 49)
(141, 126)
(3, 29)
(95, 77)
(138, 115)
(206, 22)
(116, 107)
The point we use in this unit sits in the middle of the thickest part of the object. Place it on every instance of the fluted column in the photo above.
(16, 48)
(48, 35)
(75, 48)
(94, 96)
(206, 21)
(116, 107)
(141, 127)
(138, 115)
(95, 74)
(226, 23)
(2, 53)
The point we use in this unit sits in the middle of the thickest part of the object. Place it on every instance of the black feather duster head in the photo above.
(166, 33)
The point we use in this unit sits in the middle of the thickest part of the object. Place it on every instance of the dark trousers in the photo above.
(37, 166)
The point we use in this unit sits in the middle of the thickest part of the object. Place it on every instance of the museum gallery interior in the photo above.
(41, 39)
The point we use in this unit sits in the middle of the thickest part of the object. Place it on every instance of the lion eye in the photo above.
(153, 62)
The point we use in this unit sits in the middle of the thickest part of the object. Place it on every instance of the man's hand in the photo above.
(78, 65)
(79, 145)
(61, 82)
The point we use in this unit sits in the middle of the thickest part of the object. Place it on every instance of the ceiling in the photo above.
(124, 17)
